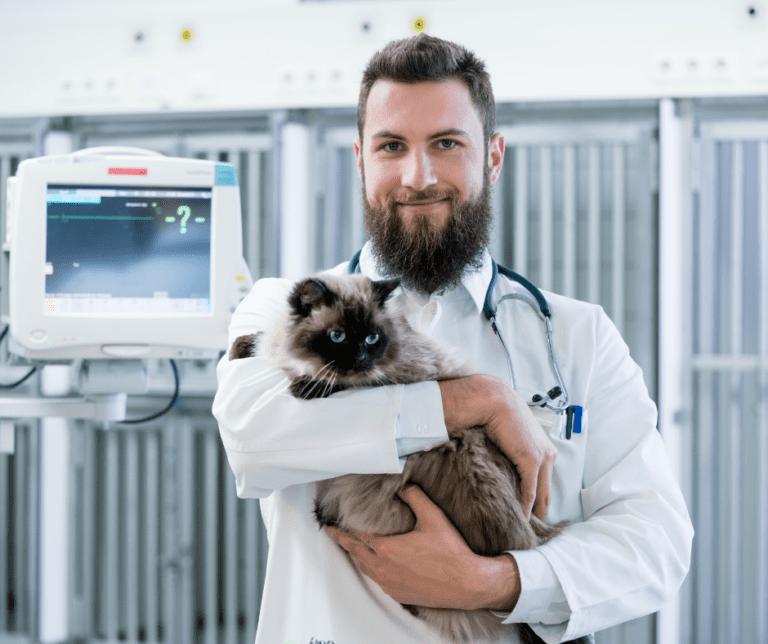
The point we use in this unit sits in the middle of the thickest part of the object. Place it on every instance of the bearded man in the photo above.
(428, 154)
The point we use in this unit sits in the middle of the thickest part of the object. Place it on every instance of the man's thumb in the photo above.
(423, 507)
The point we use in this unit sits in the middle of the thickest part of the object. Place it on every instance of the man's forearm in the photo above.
(501, 579)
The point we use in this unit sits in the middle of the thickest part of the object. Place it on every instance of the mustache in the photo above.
(422, 195)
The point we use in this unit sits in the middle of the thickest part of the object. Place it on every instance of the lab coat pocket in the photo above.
(551, 422)
(568, 472)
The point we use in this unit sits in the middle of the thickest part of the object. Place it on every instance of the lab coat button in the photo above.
(422, 429)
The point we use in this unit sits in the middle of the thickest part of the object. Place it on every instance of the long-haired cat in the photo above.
(342, 333)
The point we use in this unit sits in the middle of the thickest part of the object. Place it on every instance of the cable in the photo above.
(25, 378)
(126, 422)
(164, 411)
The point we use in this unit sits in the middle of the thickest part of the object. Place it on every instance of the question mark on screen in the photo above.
(185, 213)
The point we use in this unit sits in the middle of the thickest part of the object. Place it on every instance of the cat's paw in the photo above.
(307, 388)
(244, 347)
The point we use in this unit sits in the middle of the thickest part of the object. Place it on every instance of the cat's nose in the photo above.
(362, 360)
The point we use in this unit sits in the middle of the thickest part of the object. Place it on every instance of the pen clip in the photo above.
(573, 420)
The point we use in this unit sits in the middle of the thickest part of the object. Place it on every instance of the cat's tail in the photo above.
(544, 532)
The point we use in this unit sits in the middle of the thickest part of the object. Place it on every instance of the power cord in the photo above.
(125, 422)
(164, 411)
(25, 378)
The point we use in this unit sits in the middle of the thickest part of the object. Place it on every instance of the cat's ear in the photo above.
(308, 294)
(383, 289)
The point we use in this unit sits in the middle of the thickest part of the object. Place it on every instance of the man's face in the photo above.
(426, 180)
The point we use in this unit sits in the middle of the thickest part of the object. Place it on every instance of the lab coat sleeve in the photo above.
(274, 440)
(632, 551)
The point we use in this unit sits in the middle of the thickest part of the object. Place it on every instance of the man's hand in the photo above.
(489, 402)
(432, 565)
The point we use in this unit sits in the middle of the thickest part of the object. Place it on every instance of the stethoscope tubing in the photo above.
(490, 313)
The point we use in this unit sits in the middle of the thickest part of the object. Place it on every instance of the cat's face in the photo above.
(341, 327)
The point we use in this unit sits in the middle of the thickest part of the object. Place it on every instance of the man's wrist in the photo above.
(500, 580)
(504, 589)
(467, 401)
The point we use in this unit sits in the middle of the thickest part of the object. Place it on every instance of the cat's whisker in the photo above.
(325, 367)
(330, 384)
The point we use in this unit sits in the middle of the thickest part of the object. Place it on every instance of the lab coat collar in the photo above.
(474, 282)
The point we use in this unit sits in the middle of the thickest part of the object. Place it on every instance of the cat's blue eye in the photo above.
(372, 339)
(337, 336)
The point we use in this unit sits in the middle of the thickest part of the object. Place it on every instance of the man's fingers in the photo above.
(528, 490)
(541, 505)
(352, 543)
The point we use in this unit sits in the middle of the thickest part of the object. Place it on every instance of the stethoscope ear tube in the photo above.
(490, 314)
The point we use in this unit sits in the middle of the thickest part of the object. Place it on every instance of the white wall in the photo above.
(83, 57)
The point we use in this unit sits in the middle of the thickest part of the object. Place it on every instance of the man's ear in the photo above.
(359, 156)
(495, 156)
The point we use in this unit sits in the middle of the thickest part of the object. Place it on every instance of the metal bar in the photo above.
(705, 484)
(230, 555)
(736, 425)
(19, 523)
(151, 508)
(90, 520)
(24, 512)
(329, 224)
(545, 219)
(252, 211)
(618, 265)
(569, 221)
(252, 572)
(77, 553)
(263, 554)
(211, 549)
(169, 596)
(593, 235)
(185, 547)
(521, 210)
(111, 554)
(131, 536)
(5, 546)
(32, 542)
(762, 482)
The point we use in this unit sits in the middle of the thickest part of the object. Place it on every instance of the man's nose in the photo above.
(418, 171)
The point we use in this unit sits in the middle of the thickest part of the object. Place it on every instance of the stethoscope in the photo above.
(556, 399)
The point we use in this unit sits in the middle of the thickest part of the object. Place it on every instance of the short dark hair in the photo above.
(425, 58)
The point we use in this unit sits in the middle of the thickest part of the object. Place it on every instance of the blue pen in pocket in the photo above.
(573, 420)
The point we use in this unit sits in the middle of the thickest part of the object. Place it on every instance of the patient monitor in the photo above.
(123, 253)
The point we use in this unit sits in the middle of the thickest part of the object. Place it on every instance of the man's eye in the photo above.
(447, 144)
(392, 146)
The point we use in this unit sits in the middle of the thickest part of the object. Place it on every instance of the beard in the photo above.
(425, 257)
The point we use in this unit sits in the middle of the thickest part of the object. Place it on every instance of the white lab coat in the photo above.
(626, 552)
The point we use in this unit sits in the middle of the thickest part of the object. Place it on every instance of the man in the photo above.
(427, 155)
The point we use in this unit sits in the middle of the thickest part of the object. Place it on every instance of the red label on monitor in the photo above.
(134, 171)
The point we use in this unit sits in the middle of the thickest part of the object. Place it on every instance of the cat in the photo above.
(344, 332)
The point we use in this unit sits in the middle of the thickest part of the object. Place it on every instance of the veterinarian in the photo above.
(428, 155)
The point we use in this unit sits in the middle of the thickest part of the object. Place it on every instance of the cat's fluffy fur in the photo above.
(473, 483)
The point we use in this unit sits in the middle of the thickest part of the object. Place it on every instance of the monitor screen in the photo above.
(119, 250)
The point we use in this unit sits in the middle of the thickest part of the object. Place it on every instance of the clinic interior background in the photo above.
(636, 176)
